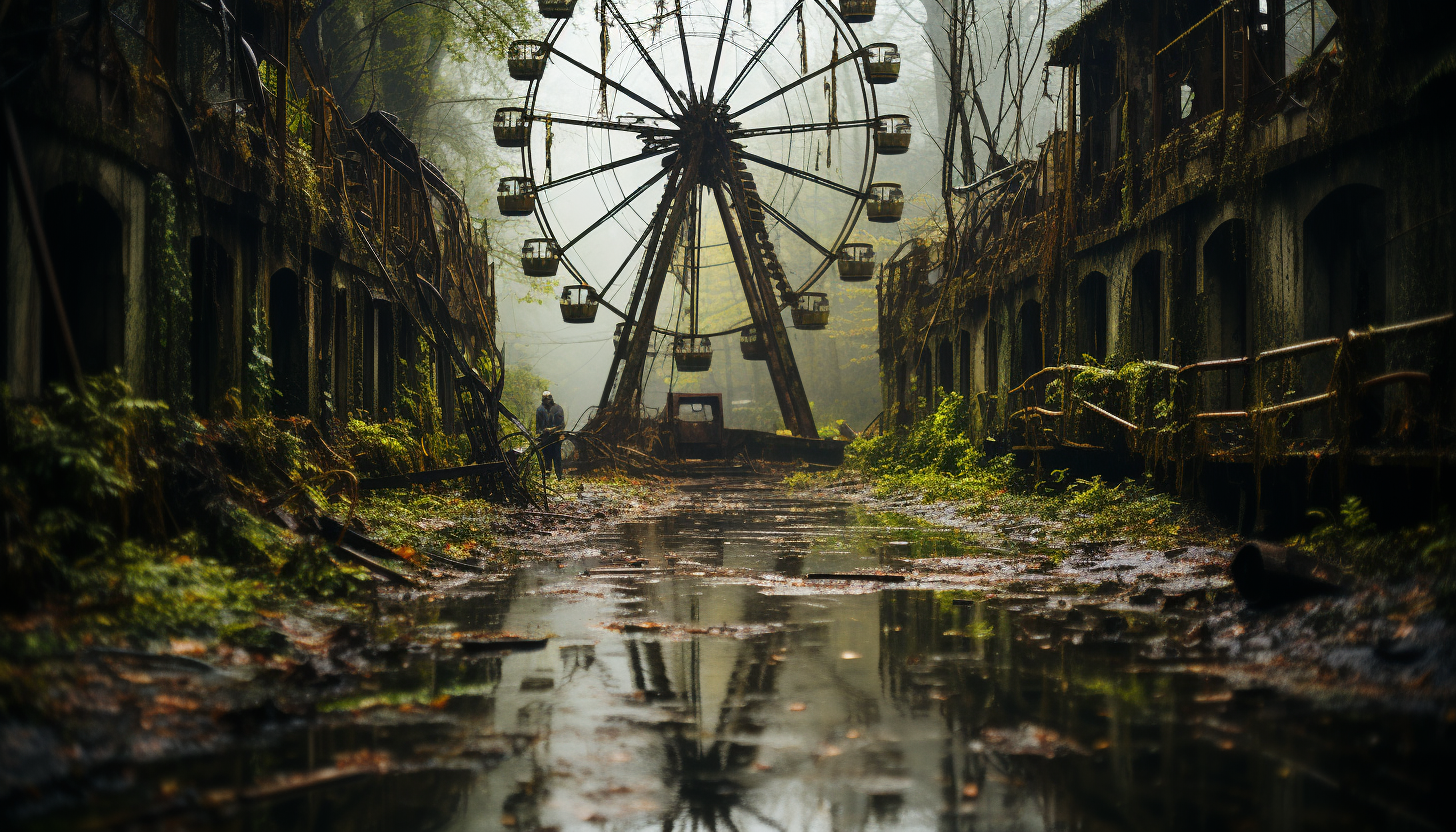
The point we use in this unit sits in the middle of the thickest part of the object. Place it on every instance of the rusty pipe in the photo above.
(1266, 573)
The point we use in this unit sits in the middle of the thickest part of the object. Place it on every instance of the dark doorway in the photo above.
(342, 392)
(84, 237)
(213, 327)
(382, 359)
(290, 351)
(1344, 289)
(1226, 294)
(965, 364)
(991, 354)
(902, 413)
(923, 380)
(1092, 317)
(945, 364)
(1029, 328)
(1344, 262)
(1146, 318)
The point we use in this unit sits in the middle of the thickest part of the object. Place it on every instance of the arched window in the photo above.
(1092, 316)
(83, 234)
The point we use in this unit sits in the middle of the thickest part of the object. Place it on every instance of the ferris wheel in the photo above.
(668, 147)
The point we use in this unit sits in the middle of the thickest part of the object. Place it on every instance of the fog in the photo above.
(839, 365)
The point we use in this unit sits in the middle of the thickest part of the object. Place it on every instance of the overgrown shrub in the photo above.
(122, 522)
(935, 456)
(1350, 538)
(937, 460)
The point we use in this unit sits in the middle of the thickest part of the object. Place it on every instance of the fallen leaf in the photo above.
(187, 647)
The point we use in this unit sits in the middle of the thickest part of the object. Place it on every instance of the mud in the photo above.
(693, 674)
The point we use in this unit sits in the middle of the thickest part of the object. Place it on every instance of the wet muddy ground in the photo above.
(699, 672)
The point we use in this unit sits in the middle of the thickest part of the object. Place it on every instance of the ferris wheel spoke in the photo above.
(682, 41)
(762, 48)
(613, 84)
(641, 50)
(780, 129)
(657, 177)
(794, 84)
(805, 175)
(603, 125)
(799, 232)
(718, 50)
(646, 154)
(641, 238)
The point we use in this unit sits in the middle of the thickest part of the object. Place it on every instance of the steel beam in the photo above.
(782, 368)
(619, 350)
(629, 389)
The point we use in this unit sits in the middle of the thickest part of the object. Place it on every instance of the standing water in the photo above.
(692, 683)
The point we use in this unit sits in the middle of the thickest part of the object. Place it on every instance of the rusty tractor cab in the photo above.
(696, 422)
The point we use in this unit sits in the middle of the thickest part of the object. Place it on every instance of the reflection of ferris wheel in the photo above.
(706, 137)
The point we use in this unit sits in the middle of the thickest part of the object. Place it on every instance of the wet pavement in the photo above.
(694, 679)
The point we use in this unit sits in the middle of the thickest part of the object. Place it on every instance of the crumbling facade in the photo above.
(1231, 265)
(216, 228)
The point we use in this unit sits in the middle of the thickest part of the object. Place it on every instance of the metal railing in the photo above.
(1035, 421)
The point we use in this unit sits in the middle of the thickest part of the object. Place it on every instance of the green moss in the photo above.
(170, 320)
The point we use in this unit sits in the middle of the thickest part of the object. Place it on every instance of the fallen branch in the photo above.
(430, 476)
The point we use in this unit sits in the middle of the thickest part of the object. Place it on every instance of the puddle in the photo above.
(685, 696)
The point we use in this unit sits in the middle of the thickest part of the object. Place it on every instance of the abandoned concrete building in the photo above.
(214, 226)
(1231, 265)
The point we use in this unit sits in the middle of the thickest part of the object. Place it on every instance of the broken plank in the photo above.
(365, 552)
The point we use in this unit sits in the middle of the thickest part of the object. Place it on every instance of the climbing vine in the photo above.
(171, 291)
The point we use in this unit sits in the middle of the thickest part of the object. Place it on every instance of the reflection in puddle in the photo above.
(892, 708)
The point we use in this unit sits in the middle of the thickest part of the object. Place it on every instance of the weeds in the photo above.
(1350, 538)
(936, 460)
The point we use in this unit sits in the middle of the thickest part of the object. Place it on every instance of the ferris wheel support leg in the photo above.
(619, 351)
(629, 390)
(782, 368)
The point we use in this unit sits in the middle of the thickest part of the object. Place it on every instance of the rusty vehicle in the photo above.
(696, 423)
